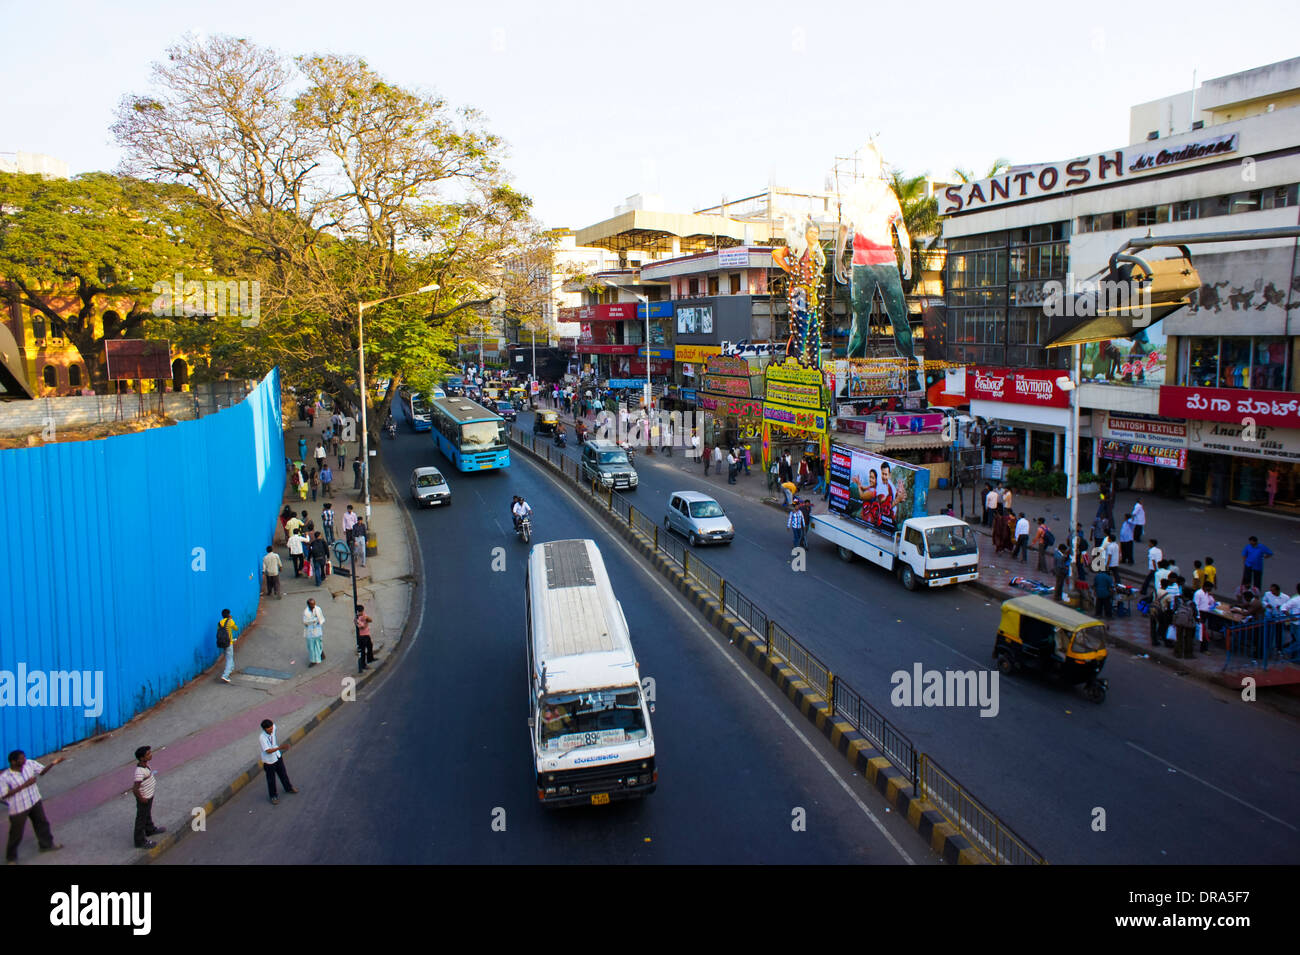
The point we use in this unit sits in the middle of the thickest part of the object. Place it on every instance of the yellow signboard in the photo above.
(794, 386)
(695, 353)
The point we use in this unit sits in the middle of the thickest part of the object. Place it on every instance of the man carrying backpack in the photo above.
(1044, 539)
(226, 630)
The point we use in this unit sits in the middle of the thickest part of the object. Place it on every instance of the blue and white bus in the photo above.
(417, 410)
(469, 436)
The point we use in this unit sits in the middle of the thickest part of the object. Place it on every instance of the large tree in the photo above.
(85, 253)
(344, 187)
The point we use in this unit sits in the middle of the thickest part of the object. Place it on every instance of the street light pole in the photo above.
(1071, 384)
(361, 381)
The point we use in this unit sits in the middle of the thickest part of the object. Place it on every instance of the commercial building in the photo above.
(1169, 405)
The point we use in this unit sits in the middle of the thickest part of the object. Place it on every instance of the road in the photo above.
(1184, 773)
(420, 767)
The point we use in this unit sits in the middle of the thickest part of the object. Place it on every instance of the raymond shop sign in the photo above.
(1017, 386)
(1144, 454)
(1277, 409)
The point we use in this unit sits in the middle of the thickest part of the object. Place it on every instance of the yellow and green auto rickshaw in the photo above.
(544, 422)
(1037, 633)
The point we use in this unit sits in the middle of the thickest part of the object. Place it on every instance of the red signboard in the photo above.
(1278, 409)
(615, 312)
(1144, 454)
(1017, 386)
(588, 349)
(138, 358)
(1006, 447)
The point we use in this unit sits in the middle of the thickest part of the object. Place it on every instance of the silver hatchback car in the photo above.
(699, 518)
(428, 487)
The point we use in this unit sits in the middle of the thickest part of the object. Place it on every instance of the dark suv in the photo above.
(607, 464)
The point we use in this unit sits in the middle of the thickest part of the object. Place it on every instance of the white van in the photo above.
(588, 719)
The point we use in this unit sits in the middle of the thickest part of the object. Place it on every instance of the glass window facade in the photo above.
(1259, 363)
(1253, 200)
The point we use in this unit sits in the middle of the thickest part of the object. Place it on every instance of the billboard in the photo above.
(914, 423)
(793, 385)
(138, 358)
(874, 490)
(695, 320)
(1139, 360)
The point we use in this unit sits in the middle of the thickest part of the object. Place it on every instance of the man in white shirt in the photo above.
(1022, 539)
(1112, 553)
(18, 788)
(990, 506)
(271, 567)
(1205, 602)
(272, 761)
(1154, 556)
(297, 550)
(1274, 600)
(1139, 520)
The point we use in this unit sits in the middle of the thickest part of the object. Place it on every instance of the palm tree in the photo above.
(1000, 164)
(920, 217)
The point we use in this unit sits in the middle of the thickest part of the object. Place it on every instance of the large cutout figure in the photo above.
(803, 261)
(871, 209)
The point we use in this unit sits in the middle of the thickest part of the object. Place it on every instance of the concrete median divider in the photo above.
(893, 770)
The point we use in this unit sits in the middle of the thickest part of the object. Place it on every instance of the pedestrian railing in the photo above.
(1259, 642)
(996, 841)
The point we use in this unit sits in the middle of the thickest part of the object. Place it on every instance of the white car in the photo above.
(429, 487)
(699, 518)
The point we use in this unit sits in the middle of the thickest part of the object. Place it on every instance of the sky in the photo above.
(695, 101)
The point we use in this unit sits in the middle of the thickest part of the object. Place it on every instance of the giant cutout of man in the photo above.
(872, 210)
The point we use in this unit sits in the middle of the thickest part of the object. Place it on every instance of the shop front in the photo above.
(1149, 453)
(795, 412)
(1027, 413)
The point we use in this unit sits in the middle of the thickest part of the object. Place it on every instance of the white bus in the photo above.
(588, 718)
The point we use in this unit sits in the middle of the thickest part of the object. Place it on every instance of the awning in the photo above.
(912, 442)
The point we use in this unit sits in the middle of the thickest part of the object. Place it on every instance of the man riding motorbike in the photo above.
(519, 509)
(559, 436)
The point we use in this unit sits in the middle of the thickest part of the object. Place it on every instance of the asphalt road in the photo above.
(420, 767)
(1183, 773)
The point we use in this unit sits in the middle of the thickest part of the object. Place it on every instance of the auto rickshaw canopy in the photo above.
(1045, 610)
(550, 417)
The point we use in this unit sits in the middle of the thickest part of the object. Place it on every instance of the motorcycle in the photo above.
(390, 428)
(560, 441)
(524, 528)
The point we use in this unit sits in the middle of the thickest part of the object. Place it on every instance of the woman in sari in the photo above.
(313, 623)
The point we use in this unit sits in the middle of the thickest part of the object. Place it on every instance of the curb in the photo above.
(880, 773)
(227, 793)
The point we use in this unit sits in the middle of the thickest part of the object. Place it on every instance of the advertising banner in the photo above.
(1127, 361)
(876, 491)
(695, 320)
(1138, 429)
(716, 364)
(1005, 446)
(726, 406)
(869, 378)
(795, 420)
(1144, 454)
(793, 386)
(1017, 386)
(696, 354)
(1276, 444)
(914, 424)
(725, 385)
(1279, 409)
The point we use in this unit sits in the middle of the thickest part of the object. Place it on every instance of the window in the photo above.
(74, 376)
(1245, 202)
(38, 328)
(1185, 210)
(713, 285)
(694, 287)
(1236, 362)
(51, 376)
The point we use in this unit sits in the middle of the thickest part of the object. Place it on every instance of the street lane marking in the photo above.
(1214, 787)
(686, 611)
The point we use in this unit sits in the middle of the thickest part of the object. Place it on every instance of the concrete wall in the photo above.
(34, 417)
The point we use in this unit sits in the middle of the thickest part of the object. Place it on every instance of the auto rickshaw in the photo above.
(1037, 633)
(544, 422)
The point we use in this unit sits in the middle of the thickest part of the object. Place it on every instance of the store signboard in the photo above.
(793, 386)
(716, 364)
(1017, 386)
(730, 406)
(733, 258)
(791, 418)
(1150, 454)
(1275, 444)
(1141, 429)
(913, 424)
(876, 491)
(726, 385)
(696, 354)
(1005, 446)
(1278, 409)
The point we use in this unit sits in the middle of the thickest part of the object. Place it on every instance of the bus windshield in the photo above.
(604, 717)
(420, 407)
(953, 541)
(482, 436)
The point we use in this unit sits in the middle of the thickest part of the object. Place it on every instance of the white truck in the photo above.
(924, 552)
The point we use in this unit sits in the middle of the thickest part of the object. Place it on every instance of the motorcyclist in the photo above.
(520, 509)
(559, 436)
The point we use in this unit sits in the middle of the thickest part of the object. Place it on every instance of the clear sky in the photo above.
(693, 100)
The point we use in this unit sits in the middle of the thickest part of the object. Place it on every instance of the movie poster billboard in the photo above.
(876, 491)
(1139, 360)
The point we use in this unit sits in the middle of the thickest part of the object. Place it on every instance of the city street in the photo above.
(1163, 756)
(415, 770)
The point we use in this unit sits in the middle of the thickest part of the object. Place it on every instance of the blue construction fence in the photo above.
(121, 555)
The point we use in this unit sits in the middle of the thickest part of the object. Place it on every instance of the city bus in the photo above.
(417, 410)
(588, 718)
(468, 435)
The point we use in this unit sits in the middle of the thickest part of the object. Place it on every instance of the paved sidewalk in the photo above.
(204, 736)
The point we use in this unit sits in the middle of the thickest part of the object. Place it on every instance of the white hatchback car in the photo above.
(429, 487)
(699, 518)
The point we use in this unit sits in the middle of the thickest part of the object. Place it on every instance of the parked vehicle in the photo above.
(607, 464)
(699, 518)
(1039, 634)
(429, 487)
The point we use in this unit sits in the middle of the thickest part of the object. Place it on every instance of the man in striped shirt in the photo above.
(144, 786)
(18, 788)
(796, 522)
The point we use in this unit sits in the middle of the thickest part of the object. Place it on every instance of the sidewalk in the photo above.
(1186, 531)
(204, 736)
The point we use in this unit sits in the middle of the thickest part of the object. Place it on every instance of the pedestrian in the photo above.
(1205, 605)
(272, 754)
(1022, 539)
(311, 414)
(1185, 624)
(271, 567)
(1112, 554)
(789, 488)
(1126, 540)
(1007, 499)
(746, 459)
(285, 516)
(1154, 556)
(731, 466)
(1060, 569)
(990, 504)
(805, 472)
(796, 522)
(319, 454)
(19, 790)
(349, 522)
(1041, 543)
(302, 450)
(1211, 572)
(341, 450)
(327, 522)
(313, 622)
(717, 458)
(1139, 520)
(708, 459)
(326, 481)
(1080, 553)
(819, 472)
(226, 630)
(359, 541)
(785, 471)
(1002, 536)
(365, 648)
(297, 551)
(1103, 588)
(144, 786)
(1252, 556)
(356, 474)
(314, 482)
(303, 484)
(319, 553)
